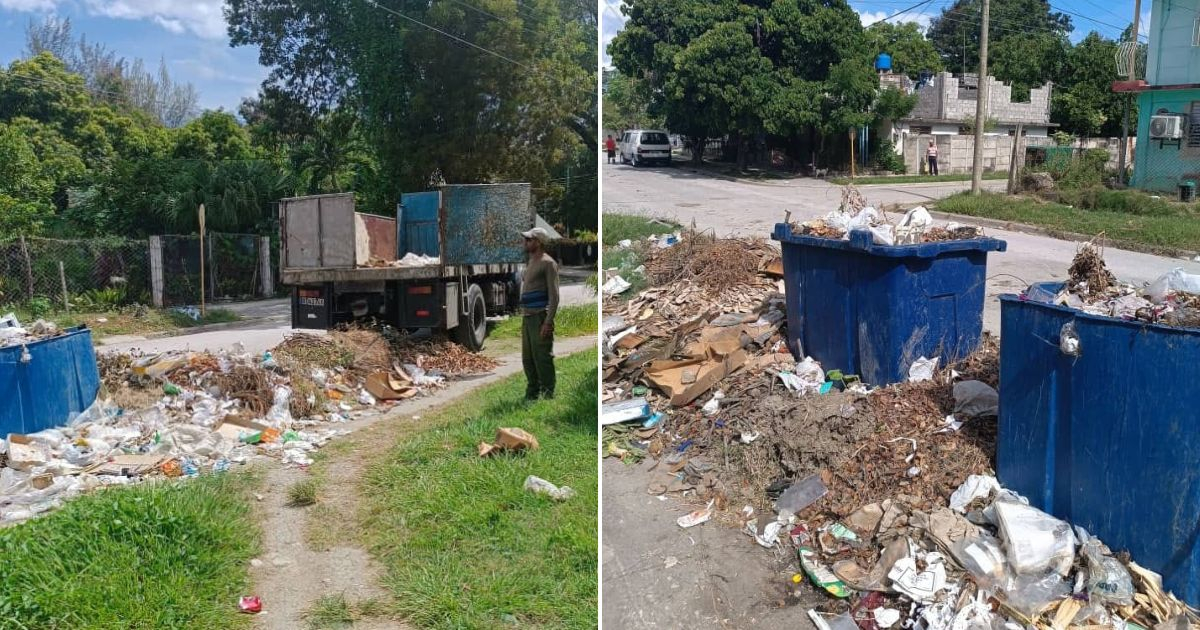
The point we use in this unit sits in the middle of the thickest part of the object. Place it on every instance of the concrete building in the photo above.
(1168, 100)
(946, 106)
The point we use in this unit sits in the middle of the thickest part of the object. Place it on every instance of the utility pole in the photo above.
(1132, 75)
(981, 99)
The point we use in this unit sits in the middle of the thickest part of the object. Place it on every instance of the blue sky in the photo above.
(189, 35)
(1098, 15)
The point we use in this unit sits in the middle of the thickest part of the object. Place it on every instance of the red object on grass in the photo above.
(250, 604)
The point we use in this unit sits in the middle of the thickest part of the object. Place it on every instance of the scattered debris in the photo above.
(915, 227)
(182, 414)
(541, 486)
(509, 439)
(696, 517)
(250, 604)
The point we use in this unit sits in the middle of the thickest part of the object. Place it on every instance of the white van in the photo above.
(645, 146)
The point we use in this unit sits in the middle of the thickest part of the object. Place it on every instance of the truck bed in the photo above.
(317, 275)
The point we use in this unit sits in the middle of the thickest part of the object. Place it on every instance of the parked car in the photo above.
(644, 146)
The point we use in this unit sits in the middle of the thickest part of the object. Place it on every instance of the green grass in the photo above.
(462, 543)
(618, 227)
(1137, 221)
(302, 493)
(169, 554)
(575, 320)
(910, 179)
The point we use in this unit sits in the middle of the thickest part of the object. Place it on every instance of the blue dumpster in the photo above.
(60, 378)
(872, 310)
(1106, 436)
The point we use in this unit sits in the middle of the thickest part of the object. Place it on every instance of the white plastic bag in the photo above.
(1034, 541)
(975, 487)
(541, 486)
(1175, 280)
(922, 369)
(883, 235)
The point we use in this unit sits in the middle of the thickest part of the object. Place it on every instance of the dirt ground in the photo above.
(657, 575)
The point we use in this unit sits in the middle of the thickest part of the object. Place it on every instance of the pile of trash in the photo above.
(191, 413)
(916, 226)
(12, 333)
(1173, 299)
(984, 559)
(409, 260)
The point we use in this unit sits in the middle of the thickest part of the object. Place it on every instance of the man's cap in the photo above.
(537, 233)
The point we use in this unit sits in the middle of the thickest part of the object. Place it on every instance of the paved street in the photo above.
(268, 321)
(752, 209)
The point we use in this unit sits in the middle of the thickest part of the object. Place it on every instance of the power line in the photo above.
(1080, 15)
(900, 12)
(493, 15)
(464, 41)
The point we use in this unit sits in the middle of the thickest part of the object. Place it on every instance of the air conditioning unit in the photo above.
(1168, 126)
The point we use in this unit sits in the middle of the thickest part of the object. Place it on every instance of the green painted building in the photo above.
(1168, 130)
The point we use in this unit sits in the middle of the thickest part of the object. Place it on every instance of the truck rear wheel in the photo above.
(472, 325)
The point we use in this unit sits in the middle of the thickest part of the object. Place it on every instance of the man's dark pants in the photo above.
(933, 165)
(537, 357)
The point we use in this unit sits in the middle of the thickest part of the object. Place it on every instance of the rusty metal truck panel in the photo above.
(482, 223)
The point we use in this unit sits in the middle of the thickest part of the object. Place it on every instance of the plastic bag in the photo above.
(280, 414)
(975, 487)
(1029, 594)
(922, 369)
(1035, 541)
(541, 486)
(984, 559)
(1108, 580)
(1174, 281)
(976, 399)
(883, 235)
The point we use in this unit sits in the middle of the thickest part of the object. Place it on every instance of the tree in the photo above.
(1083, 101)
(25, 189)
(111, 79)
(911, 52)
(427, 102)
(955, 32)
(330, 153)
(627, 104)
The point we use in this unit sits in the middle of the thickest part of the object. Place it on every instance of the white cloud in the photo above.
(202, 17)
(870, 17)
(175, 26)
(28, 5)
(611, 23)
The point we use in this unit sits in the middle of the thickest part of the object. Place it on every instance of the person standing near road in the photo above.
(931, 154)
(610, 146)
(539, 304)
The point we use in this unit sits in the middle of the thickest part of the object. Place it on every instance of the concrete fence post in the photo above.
(156, 271)
(264, 263)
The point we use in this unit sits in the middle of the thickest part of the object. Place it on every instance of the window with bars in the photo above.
(1193, 129)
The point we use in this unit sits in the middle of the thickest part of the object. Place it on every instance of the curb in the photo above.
(1025, 228)
(179, 332)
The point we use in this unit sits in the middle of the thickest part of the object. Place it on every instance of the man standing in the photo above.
(539, 303)
(610, 146)
(931, 153)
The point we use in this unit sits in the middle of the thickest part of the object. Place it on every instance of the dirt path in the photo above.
(311, 552)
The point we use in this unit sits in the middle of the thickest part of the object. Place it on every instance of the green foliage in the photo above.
(1063, 138)
(741, 68)
(887, 159)
(104, 299)
(1083, 101)
(892, 104)
(619, 227)
(627, 104)
(168, 554)
(1087, 170)
(39, 307)
(575, 320)
(424, 104)
(955, 33)
(911, 52)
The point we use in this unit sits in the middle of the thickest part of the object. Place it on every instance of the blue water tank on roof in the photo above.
(883, 62)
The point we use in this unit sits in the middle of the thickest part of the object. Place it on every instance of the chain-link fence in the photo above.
(97, 274)
(232, 267)
(89, 273)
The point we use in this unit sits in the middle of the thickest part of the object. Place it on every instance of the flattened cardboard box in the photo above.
(669, 375)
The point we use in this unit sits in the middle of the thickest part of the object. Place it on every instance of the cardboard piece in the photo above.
(23, 454)
(669, 375)
(128, 465)
(774, 268)
(232, 427)
(630, 341)
(509, 439)
(383, 387)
